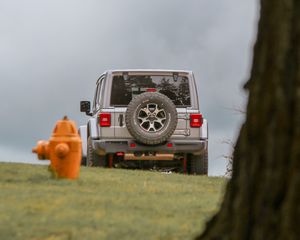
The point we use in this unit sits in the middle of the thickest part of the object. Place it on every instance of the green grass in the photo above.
(104, 204)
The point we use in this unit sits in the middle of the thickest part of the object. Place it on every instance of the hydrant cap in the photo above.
(65, 127)
(61, 150)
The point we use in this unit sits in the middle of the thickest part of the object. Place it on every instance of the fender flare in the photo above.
(86, 131)
(204, 130)
(83, 135)
(92, 128)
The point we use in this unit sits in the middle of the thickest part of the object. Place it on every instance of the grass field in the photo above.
(104, 204)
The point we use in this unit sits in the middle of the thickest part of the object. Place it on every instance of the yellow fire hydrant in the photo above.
(63, 150)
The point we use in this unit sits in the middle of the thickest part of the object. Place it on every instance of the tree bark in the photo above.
(262, 199)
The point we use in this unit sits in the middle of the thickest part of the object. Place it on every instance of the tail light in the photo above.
(196, 120)
(104, 119)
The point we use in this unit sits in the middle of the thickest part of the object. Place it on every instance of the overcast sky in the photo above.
(53, 51)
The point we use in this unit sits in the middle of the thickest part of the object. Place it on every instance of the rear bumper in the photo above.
(129, 146)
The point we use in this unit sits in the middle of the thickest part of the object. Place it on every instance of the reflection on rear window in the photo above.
(176, 88)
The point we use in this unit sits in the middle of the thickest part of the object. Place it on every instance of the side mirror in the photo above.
(85, 106)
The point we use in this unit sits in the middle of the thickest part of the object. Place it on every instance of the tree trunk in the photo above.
(262, 200)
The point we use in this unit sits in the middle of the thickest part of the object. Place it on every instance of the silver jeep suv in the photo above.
(147, 119)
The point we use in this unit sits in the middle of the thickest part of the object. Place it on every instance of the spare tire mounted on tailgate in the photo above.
(151, 118)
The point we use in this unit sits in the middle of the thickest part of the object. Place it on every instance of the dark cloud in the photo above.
(52, 52)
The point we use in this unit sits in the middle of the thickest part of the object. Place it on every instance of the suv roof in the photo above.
(149, 71)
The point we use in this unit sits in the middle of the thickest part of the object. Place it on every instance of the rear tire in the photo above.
(93, 159)
(199, 164)
(83, 161)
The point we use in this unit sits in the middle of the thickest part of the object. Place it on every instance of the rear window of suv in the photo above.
(124, 88)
